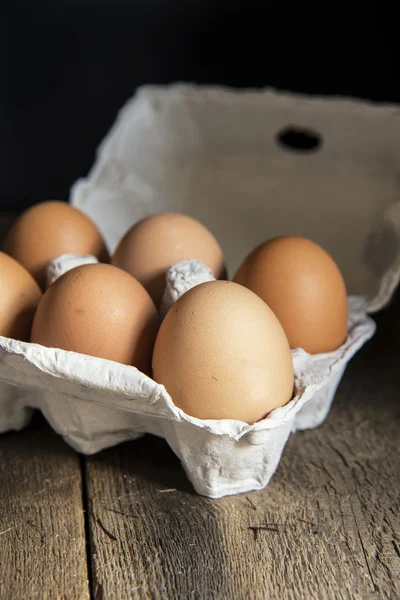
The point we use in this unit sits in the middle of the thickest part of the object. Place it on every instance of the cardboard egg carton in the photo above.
(219, 156)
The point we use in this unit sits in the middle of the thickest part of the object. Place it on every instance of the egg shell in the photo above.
(19, 298)
(222, 354)
(99, 310)
(48, 230)
(304, 287)
(155, 243)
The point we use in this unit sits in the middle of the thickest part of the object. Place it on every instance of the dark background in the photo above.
(66, 67)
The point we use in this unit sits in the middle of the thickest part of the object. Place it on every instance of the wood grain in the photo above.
(327, 526)
(42, 532)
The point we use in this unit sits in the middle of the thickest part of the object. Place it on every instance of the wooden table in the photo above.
(127, 524)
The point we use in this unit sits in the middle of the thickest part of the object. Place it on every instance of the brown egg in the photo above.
(156, 243)
(19, 297)
(304, 287)
(101, 311)
(222, 354)
(48, 230)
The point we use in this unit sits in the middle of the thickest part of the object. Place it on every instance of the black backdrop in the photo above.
(66, 66)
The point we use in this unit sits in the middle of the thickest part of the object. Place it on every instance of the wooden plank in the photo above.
(327, 526)
(42, 531)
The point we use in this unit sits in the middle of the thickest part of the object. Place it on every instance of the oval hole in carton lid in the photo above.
(299, 139)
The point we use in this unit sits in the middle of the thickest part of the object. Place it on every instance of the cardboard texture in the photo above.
(218, 155)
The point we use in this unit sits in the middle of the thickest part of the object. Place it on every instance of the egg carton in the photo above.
(222, 156)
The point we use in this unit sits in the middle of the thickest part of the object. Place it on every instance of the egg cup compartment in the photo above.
(328, 368)
(94, 403)
(15, 414)
(315, 411)
(224, 157)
